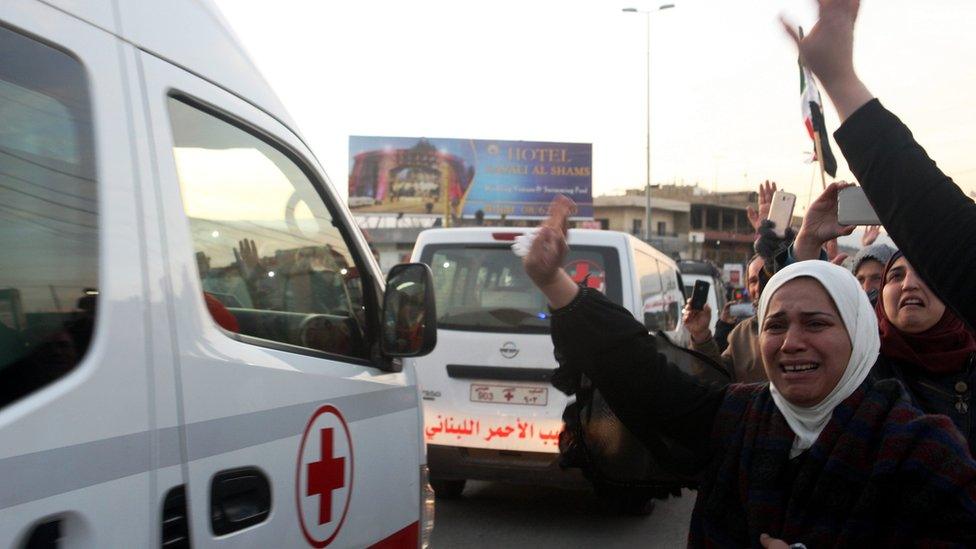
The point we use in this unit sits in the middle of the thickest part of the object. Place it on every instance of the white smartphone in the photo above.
(853, 208)
(781, 211)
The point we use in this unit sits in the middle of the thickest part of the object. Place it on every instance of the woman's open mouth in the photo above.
(911, 302)
(799, 368)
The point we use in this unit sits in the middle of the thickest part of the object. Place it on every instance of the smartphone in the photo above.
(853, 208)
(742, 310)
(699, 295)
(781, 211)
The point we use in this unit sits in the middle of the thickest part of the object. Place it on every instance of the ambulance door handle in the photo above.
(46, 534)
(239, 498)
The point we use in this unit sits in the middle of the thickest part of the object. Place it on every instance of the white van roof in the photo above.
(501, 235)
(192, 34)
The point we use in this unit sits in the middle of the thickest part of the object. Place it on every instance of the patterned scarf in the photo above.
(881, 474)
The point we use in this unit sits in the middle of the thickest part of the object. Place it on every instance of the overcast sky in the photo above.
(725, 110)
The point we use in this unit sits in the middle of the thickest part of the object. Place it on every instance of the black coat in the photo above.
(949, 394)
(925, 213)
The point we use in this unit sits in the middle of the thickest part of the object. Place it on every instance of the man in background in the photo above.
(741, 358)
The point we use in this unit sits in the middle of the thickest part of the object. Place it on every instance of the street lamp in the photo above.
(647, 190)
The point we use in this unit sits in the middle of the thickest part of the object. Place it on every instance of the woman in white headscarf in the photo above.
(822, 454)
(804, 364)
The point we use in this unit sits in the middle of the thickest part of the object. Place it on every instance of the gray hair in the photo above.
(878, 252)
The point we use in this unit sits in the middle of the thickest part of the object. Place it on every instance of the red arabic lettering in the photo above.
(500, 432)
(468, 427)
(551, 436)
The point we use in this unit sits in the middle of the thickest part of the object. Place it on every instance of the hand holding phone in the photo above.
(853, 208)
(699, 295)
(781, 211)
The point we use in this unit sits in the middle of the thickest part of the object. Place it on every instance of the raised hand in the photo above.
(546, 256)
(820, 224)
(560, 209)
(871, 234)
(834, 255)
(697, 322)
(832, 249)
(544, 261)
(766, 191)
(247, 257)
(726, 315)
(829, 52)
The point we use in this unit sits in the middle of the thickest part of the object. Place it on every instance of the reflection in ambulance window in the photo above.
(48, 216)
(266, 246)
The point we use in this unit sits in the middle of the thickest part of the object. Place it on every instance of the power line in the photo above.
(60, 233)
(49, 217)
(36, 184)
(48, 200)
(39, 165)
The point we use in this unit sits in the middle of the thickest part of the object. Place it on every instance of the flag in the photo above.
(813, 118)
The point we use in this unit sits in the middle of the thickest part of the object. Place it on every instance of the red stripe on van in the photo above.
(409, 537)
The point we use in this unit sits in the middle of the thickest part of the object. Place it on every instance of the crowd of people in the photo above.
(849, 419)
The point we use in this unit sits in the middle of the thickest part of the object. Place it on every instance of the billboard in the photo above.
(460, 177)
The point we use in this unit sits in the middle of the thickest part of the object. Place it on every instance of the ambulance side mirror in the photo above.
(409, 312)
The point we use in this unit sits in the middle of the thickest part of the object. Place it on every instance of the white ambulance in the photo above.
(196, 346)
(489, 410)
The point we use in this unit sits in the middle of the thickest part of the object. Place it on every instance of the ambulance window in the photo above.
(652, 291)
(670, 279)
(48, 215)
(274, 266)
(650, 277)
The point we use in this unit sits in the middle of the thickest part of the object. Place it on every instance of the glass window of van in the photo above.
(48, 215)
(673, 296)
(273, 263)
(484, 287)
(654, 287)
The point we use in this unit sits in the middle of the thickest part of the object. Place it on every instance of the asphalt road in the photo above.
(492, 514)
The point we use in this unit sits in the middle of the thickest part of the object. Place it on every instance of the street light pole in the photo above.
(647, 189)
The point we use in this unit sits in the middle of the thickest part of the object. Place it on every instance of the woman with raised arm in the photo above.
(926, 214)
(926, 347)
(821, 455)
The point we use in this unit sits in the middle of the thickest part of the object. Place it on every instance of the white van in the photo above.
(489, 410)
(149, 175)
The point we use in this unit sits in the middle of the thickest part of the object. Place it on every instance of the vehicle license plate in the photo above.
(509, 394)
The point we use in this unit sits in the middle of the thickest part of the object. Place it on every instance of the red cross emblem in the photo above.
(579, 269)
(325, 476)
(323, 483)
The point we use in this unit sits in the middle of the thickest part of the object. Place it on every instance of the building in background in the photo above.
(670, 219)
(686, 220)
